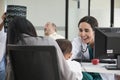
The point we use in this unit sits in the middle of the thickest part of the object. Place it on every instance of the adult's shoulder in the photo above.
(40, 40)
(76, 39)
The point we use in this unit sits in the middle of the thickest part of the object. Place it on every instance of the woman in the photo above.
(86, 32)
(19, 27)
(83, 45)
(22, 32)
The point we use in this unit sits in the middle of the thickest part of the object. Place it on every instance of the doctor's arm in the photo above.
(75, 48)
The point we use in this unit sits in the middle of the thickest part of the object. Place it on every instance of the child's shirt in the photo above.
(76, 68)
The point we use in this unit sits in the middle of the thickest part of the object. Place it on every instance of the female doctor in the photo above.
(84, 44)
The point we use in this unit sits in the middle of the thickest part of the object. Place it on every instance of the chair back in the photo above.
(34, 62)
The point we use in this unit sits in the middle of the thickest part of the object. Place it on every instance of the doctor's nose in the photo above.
(82, 34)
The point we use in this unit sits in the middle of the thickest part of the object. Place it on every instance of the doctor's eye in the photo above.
(80, 30)
(86, 30)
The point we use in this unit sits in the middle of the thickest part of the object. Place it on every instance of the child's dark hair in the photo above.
(65, 45)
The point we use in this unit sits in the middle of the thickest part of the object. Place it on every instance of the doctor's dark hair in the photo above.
(90, 20)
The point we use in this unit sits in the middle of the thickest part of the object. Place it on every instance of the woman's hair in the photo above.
(90, 20)
(19, 26)
(65, 45)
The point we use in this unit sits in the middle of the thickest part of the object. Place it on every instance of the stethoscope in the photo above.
(82, 51)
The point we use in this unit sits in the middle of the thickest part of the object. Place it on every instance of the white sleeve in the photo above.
(2, 44)
(76, 68)
(75, 47)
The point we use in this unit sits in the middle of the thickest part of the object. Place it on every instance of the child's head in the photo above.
(66, 47)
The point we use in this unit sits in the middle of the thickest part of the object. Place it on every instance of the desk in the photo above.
(100, 68)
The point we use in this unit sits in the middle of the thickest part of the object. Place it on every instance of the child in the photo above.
(66, 48)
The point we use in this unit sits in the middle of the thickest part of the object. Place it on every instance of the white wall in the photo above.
(117, 14)
(99, 9)
(75, 14)
(41, 11)
(2, 8)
